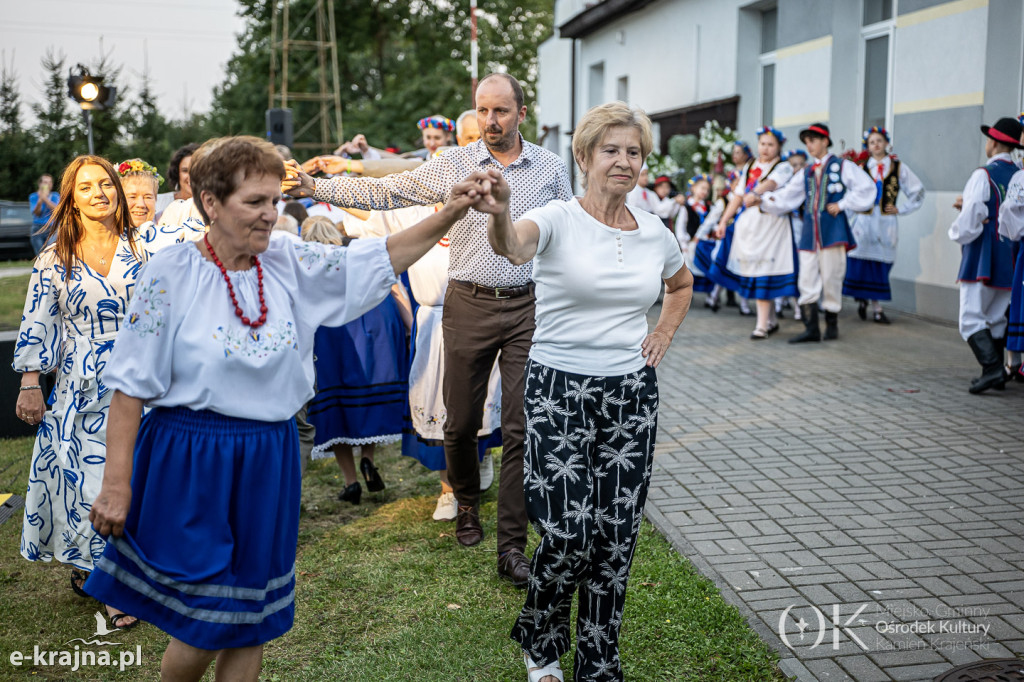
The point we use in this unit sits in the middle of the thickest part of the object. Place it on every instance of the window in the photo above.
(877, 54)
(769, 30)
(622, 89)
(769, 41)
(876, 81)
(768, 94)
(596, 85)
(876, 11)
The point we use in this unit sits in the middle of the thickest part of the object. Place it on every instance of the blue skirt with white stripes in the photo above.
(208, 550)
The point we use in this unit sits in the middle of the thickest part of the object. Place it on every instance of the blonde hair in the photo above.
(595, 124)
(319, 228)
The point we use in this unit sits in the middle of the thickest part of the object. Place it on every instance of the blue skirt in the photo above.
(718, 271)
(867, 279)
(702, 259)
(362, 376)
(208, 550)
(1015, 330)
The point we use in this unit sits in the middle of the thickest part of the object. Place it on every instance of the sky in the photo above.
(188, 43)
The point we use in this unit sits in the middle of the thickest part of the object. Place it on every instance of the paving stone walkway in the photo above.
(863, 511)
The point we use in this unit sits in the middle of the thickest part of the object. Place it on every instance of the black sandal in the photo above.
(77, 575)
(112, 621)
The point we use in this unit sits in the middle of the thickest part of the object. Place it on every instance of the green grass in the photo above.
(384, 593)
(12, 301)
(7, 264)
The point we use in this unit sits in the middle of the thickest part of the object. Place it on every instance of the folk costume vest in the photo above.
(989, 258)
(822, 230)
(887, 188)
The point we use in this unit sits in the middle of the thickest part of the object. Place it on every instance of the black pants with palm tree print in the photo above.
(589, 448)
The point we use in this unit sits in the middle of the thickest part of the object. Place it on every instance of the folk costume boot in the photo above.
(811, 332)
(984, 348)
(831, 326)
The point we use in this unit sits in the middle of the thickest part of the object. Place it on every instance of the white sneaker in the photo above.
(486, 472)
(447, 507)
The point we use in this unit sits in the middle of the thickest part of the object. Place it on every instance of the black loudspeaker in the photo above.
(279, 127)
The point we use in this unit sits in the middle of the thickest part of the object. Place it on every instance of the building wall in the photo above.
(954, 65)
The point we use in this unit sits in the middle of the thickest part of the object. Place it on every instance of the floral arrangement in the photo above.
(138, 167)
(708, 152)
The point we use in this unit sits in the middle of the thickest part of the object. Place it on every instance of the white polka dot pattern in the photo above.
(535, 178)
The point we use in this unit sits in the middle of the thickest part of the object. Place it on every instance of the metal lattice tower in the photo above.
(324, 51)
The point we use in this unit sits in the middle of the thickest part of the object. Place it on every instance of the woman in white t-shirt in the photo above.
(591, 395)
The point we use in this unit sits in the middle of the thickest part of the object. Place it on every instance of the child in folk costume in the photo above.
(797, 158)
(719, 272)
(705, 241)
(762, 255)
(867, 268)
(827, 189)
(986, 264)
(690, 229)
(1011, 226)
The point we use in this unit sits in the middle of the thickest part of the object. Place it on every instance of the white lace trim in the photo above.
(322, 451)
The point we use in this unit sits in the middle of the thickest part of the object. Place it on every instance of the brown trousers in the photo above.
(476, 327)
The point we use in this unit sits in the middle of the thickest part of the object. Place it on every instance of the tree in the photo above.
(398, 62)
(56, 138)
(147, 131)
(16, 178)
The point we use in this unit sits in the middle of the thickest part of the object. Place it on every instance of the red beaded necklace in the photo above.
(231, 289)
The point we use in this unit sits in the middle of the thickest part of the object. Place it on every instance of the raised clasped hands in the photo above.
(297, 181)
(493, 191)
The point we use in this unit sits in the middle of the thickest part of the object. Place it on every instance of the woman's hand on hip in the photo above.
(654, 347)
(110, 510)
(30, 407)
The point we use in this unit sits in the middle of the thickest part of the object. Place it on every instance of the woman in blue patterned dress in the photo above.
(76, 300)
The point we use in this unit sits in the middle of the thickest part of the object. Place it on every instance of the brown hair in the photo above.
(66, 222)
(221, 164)
(595, 123)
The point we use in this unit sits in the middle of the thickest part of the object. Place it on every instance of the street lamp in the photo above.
(90, 93)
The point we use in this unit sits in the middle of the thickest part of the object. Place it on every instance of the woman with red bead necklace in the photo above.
(203, 517)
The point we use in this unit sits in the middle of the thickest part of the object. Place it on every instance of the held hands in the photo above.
(719, 231)
(833, 209)
(110, 510)
(654, 347)
(493, 191)
(297, 182)
(751, 199)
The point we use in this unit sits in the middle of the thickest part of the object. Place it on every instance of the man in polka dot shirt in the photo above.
(489, 305)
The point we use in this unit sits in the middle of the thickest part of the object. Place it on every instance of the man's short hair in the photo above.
(517, 89)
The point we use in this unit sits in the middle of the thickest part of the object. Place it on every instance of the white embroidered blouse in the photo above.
(182, 344)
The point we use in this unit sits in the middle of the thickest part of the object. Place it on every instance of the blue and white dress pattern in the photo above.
(68, 327)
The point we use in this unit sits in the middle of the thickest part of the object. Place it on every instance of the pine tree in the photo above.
(16, 178)
(56, 137)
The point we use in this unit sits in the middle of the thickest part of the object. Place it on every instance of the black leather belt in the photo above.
(495, 292)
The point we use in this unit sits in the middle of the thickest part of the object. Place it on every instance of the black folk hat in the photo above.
(1006, 131)
(816, 129)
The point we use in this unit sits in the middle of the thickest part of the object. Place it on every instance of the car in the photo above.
(15, 230)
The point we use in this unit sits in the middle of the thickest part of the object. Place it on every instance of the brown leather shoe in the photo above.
(467, 526)
(514, 567)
